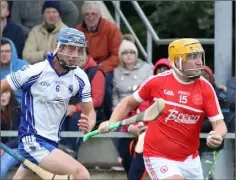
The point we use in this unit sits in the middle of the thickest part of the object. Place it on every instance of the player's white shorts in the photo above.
(35, 148)
(161, 168)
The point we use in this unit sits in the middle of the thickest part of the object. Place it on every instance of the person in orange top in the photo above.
(103, 39)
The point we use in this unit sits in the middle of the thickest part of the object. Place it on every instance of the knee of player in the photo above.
(81, 173)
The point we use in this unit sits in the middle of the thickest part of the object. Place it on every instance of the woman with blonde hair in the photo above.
(127, 77)
(131, 72)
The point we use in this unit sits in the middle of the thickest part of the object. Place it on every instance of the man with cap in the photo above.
(12, 30)
(42, 38)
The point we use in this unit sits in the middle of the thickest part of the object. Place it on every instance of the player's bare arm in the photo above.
(219, 131)
(125, 106)
(5, 86)
(219, 127)
(88, 117)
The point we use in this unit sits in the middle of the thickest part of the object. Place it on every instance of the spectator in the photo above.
(104, 11)
(97, 80)
(104, 39)
(231, 92)
(29, 13)
(10, 62)
(129, 37)
(161, 65)
(231, 99)
(132, 161)
(208, 155)
(10, 119)
(42, 38)
(11, 30)
(130, 73)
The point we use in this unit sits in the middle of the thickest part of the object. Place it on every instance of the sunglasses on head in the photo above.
(128, 52)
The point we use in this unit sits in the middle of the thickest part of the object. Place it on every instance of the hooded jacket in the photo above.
(162, 61)
(15, 65)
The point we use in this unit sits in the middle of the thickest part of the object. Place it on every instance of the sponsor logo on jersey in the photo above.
(54, 102)
(175, 115)
(168, 92)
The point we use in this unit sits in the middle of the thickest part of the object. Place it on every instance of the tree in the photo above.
(182, 19)
(173, 19)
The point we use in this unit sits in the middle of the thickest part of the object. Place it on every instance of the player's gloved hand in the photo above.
(214, 140)
(103, 127)
(83, 124)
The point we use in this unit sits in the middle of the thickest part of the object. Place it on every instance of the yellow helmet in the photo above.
(182, 47)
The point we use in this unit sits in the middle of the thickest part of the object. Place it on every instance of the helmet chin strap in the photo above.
(193, 77)
(180, 71)
(63, 64)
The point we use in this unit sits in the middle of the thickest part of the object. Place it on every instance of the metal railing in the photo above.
(151, 33)
(224, 163)
(71, 134)
(119, 14)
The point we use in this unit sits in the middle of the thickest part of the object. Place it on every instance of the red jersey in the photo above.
(175, 133)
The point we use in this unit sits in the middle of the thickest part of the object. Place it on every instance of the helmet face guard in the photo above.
(70, 51)
(186, 50)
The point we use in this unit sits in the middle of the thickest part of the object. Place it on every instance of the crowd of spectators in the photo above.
(28, 30)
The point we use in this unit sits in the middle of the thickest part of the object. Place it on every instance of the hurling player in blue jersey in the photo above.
(47, 88)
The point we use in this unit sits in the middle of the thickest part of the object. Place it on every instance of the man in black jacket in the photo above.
(11, 30)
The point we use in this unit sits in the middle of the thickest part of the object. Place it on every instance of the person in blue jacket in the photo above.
(10, 62)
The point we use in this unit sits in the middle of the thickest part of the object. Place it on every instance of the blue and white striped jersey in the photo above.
(46, 95)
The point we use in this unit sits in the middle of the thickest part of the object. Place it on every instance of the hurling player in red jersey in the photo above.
(172, 140)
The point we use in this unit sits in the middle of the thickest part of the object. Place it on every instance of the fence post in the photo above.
(224, 167)
(223, 41)
(117, 15)
(149, 47)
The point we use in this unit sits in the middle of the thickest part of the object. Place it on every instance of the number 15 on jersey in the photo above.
(183, 99)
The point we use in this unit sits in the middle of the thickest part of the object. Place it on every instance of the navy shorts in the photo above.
(35, 148)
